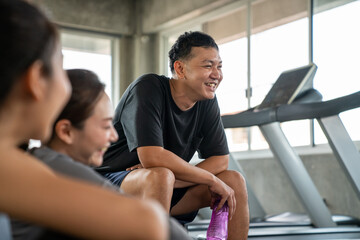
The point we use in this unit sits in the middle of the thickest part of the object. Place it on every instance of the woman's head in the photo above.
(84, 128)
(31, 72)
(86, 92)
(27, 36)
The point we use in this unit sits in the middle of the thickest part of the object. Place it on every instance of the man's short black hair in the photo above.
(182, 47)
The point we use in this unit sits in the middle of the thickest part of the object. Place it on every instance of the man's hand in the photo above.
(220, 190)
(137, 166)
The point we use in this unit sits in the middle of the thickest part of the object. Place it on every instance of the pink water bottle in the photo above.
(218, 227)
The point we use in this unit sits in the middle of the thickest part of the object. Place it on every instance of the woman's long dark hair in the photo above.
(26, 36)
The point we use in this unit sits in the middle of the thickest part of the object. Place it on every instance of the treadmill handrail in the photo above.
(318, 109)
(289, 112)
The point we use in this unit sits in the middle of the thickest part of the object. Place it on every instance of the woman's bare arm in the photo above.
(32, 192)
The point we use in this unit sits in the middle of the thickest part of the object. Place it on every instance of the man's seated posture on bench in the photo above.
(162, 122)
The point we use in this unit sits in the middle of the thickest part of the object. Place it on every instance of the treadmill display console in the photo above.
(289, 85)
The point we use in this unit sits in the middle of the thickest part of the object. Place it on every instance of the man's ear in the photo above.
(64, 131)
(179, 69)
(35, 84)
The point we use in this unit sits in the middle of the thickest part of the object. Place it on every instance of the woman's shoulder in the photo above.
(15, 162)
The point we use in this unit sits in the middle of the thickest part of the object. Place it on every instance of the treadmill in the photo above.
(293, 98)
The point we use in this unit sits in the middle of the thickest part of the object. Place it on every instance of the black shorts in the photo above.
(116, 178)
(178, 194)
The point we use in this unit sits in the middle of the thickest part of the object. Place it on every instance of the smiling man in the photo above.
(162, 122)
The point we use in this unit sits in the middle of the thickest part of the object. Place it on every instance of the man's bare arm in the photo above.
(154, 156)
(213, 164)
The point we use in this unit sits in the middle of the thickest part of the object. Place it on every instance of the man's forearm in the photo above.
(153, 156)
(215, 164)
(185, 173)
(182, 184)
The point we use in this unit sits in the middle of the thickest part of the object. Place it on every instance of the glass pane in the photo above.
(279, 48)
(231, 92)
(237, 139)
(274, 51)
(92, 53)
(350, 120)
(257, 139)
(337, 54)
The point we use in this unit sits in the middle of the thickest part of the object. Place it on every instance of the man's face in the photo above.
(202, 73)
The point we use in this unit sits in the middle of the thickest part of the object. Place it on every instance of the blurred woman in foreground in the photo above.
(33, 90)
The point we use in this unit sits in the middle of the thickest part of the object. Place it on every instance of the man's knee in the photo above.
(160, 176)
(235, 180)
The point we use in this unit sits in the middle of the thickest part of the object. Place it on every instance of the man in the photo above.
(162, 122)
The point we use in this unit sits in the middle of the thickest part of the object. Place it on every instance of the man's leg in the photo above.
(154, 183)
(239, 224)
(199, 196)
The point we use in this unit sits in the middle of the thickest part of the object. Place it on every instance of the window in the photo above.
(274, 49)
(88, 51)
(92, 52)
(337, 54)
(231, 93)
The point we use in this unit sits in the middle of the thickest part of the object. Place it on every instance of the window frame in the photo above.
(114, 52)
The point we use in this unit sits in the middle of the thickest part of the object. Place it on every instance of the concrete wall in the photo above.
(163, 14)
(275, 193)
(138, 56)
(265, 15)
(107, 16)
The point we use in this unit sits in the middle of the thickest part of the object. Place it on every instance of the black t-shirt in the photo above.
(148, 116)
